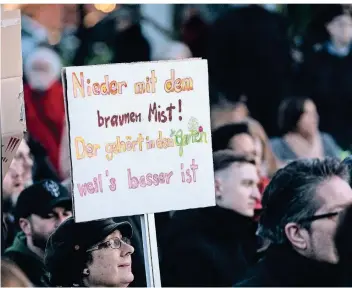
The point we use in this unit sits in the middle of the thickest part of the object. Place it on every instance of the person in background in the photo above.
(130, 42)
(12, 276)
(43, 92)
(264, 154)
(13, 185)
(301, 208)
(24, 157)
(18, 177)
(40, 23)
(234, 136)
(301, 138)
(90, 254)
(39, 210)
(224, 111)
(213, 246)
(176, 51)
(249, 50)
(194, 33)
(326, 73)
(238, 137)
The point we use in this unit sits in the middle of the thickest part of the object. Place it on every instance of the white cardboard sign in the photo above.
(12, 124)
(140, 138)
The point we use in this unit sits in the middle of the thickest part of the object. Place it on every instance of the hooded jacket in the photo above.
(29, 262)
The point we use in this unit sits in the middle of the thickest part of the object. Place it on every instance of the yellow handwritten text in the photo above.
(84, 149)
(147, 86)
(178, 85)
(83, 87)
(119, 146)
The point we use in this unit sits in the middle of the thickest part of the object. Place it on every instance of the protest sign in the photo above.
(12, 104)
(140, 138)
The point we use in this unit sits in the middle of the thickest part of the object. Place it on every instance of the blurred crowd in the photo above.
(281, 139)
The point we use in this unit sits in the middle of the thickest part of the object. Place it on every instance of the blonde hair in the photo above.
(12, 276)
(257, 131)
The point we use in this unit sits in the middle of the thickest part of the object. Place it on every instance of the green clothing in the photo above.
(29, 262)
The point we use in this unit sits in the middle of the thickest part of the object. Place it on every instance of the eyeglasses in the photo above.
(113, 243)
(318, 217)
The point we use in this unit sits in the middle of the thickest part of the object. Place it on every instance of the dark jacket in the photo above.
(284, 267)
(206, 247)
(27, 261)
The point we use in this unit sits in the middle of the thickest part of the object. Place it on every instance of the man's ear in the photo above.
(297, 236)
(218, 187)
(26, 227)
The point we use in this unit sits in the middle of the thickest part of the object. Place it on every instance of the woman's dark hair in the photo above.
(221, 136)
(290, 110)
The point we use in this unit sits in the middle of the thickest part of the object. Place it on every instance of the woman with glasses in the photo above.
(90, 254)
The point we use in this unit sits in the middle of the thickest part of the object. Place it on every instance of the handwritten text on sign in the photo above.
(139, 138)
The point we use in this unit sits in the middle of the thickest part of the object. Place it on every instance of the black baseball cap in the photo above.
(40, 198)
(70, 241)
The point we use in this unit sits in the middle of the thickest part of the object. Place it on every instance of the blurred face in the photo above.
(13, 183)
(40, 227)
(70, 15)
(334, 195)
(111, 267)
(24, 157)
(340, 30)
(48, 15)
(237, 188)
(222, 116)
(243, 144)
(309, 120)
(19, 174)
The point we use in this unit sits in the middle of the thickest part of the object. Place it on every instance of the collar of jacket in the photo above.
(293, 268)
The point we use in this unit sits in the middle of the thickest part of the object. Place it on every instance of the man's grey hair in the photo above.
(291, 195)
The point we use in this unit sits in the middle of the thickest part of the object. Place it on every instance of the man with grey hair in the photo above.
(302, 205)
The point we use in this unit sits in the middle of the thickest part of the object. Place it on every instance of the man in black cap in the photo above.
(40, 209)
(88, 254)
